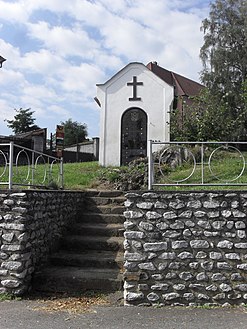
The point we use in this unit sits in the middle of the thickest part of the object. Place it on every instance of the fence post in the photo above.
(150, 165)
(202, 162)
(11, 163)
(61, 172)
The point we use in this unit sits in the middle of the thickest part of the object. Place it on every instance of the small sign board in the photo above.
(59, 140)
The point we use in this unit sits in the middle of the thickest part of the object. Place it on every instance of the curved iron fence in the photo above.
(20, 166)
(197, 163)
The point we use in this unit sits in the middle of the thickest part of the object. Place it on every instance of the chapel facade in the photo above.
(135, 107)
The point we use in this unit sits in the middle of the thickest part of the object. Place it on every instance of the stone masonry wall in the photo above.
(31, 224)
(185, 248)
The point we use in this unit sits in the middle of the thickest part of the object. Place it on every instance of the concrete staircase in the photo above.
(91, 254)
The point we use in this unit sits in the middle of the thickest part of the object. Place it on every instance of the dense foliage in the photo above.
(220, 112)
(23, 121)
(74, 132)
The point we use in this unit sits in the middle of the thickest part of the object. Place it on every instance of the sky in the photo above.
(58, 50)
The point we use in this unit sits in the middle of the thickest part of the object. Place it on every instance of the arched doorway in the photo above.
(133, 135)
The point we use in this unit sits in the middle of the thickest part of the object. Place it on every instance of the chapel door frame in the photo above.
(145, 131)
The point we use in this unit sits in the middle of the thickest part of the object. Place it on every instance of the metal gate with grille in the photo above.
(133, 135)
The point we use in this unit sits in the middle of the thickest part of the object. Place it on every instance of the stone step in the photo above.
(105, 209)
(96, 259)
(102, 201)
(99, 229)
(103, 193)
(76, 280)
(82, 243)
(100, 218)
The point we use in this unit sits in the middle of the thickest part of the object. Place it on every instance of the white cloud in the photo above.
(66, 47)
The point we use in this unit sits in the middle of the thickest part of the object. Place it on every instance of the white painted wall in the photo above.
(156, 99)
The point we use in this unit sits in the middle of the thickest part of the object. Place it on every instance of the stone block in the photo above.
(201, 277)
(179, 244)
(238, 214)
(241, 234)
(160, 205)
(186, 214)
(225, 244)
(187, 233)
(215, 255)
(189, 223)
(213, 214)
(226, 213)
(225, 287)
(241, 287)
(146, 226)
(129, 224)
(241, 245)
(152, 215)
(144, 205)
(12, 265)
(218, 277)
(133, 296)
(150, 195)
(189, 296)
(171, 234)
(224, 266)
(186, 276)
(134, 235)
(149, 266)
(131, 214)
(160, 286)
(240, 225)
(218, 224)
(199, 244)
(153, 297)
(236, 277)
(10, 283)
(177, 204)
(232, 256)
(185, 255)
(155, 246)
(170, 296)
(162, 226)
(212, 287)
(212, 204)
(134, 256)
(169, 215)
(204, 224)
(167, 255)
(242, 266)
(177, 225)
(199, 213)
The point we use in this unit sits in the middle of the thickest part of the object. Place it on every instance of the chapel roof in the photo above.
(183, 86)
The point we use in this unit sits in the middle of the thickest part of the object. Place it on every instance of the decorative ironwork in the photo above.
(20, 166)
(197, 161)
(166, 157)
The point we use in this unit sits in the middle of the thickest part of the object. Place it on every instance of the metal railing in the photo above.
(20, 166)
(196, 163)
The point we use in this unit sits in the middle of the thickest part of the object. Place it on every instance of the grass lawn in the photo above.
(223, 168)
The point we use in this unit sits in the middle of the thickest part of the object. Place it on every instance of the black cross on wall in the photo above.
(134, 83)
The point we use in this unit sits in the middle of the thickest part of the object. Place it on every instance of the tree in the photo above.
(224, 58)
(202, 120)
(22, 122)
(74, 132)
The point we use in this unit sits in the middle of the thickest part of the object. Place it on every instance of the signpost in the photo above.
(59, 140)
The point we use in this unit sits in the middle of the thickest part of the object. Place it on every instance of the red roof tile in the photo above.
(183, 86)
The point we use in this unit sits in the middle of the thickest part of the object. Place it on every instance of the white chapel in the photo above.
(134, 108)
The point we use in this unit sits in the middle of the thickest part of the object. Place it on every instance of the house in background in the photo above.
(35, 139)
(135, 106)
